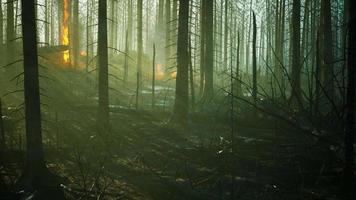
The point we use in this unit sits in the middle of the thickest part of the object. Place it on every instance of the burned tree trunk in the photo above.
(254, 60)
(2, 129)
(181, 103)
(1, 31)
(103, 112)
(350, 106)
(327, 49)
(36, 176)
(10, 31)
(202, 46)
(168, 32)
(75, 36)
(209, 52)
(296, 67)
(139, 51)
(154, 76)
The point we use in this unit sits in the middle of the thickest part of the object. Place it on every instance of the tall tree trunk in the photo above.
(75, 35)
(226, 35)
(296, 67)
(327, 49)
(1, 31)
(181, 104)
(126, 63)
(36, 179)
(254, 59)
(103, 112)
(10, 31)
(168, 32)
(139, 51)
(154, 77)
(202, 45)
(349, 184)
(129, 25)
(47, 8)
(209, 54)
(2, 129)
(238, 89)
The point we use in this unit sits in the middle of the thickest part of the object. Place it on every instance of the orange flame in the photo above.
(65, 30)
(159, 72)
(174, 75)
(83, 53)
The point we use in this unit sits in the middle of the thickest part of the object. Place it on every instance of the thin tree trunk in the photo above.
(1, 31)
(254, 60)
(47, 22)
(10, 30)
(202, 45)
(153, 76)
(139, 51)
(168, 33)
(75, 36)
(2, 129)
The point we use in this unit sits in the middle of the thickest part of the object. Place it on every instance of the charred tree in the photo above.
(254, 59)
(1, 31)
(154, 76)
(181, 104)
(75, 37)
(10, 31)
(209, 52)
(202, 45)
(36, 176)
(2, 129)
(139, 51)
(103, 109)
(349, 184)
(327, 78)
(168, 32)
(296, 66)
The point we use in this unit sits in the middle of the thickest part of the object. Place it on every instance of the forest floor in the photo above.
(144, 157)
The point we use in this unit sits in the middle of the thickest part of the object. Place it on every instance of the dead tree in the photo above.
(103, 109)
(36, 176)
(350, 105)
(254, 59)
(181, 104)
(209, 51)
(296, 67)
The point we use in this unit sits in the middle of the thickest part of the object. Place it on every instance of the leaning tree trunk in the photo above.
(181, 103)
(103, 112)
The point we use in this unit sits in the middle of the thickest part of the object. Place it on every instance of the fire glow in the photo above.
(65, 30)
(159, 72)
